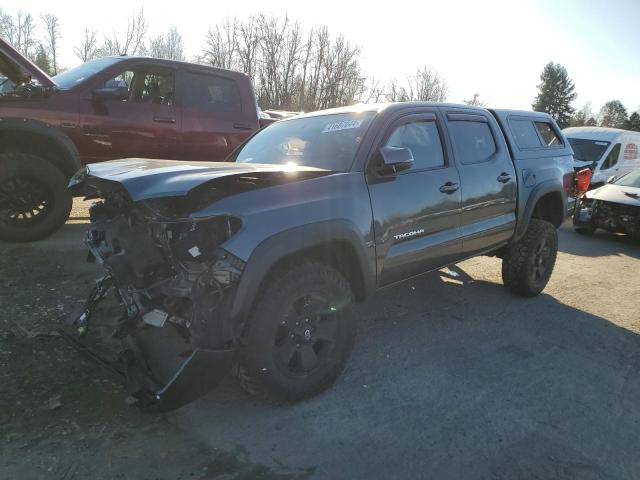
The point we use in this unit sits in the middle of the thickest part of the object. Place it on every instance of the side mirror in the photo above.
(396, 159)
(111, 93)
(611, 179)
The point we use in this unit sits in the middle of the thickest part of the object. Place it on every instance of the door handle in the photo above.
(242, 126)
(449, 187)
(504, 177)
(164, 119)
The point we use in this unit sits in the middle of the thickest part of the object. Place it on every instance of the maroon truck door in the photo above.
(216, 117)
(142, 122)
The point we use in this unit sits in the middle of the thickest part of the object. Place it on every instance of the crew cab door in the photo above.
(416, 212)
(487, 177)
(142, 123)
(215, 116)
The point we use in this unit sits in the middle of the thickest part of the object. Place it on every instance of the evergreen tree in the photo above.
(555, 94)
(582, 116)
(591, 122)
(634, 122)
(613, 115)
(42, 59)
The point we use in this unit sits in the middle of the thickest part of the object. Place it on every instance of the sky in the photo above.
(495, 48)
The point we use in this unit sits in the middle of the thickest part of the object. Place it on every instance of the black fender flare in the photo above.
(289, 242)
(69, 162)
(539, 191)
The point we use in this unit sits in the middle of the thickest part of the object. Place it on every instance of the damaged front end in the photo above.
(176, 284)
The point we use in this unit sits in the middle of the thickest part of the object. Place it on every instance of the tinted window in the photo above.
(612, 158)
(424, 142)
(210, 93)
(525, 134)
(473, 141)
(548, 134)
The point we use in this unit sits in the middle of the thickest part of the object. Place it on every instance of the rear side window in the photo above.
(210, 93)
(473, 141)
(525, 134)
(423, 140)
(548, 134)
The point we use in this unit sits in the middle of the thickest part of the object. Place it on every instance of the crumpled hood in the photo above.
(616, 194)
(145, 179)
(19, 69)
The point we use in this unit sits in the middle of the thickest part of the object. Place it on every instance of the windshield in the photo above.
(586, 150)
(73, 77)
(327, 141)
(629, 180)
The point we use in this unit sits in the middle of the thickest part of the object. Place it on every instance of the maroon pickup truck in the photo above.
(108, 108)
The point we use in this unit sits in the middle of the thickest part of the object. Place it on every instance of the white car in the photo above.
(609, 152)
(614, 207)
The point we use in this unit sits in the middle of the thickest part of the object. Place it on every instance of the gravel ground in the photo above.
(451, 377)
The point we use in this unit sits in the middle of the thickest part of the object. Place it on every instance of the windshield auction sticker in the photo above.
(343, 125)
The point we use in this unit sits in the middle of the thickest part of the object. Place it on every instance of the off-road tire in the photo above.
(260, 370)
(520, 272)
(43, 177)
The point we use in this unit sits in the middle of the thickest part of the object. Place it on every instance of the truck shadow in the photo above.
(598, 244)
(449, 367)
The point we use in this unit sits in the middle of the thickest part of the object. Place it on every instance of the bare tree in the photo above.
(396, 92)
(132, 43)
(475, 101)
(290, 68)
(427, 85)
(52, 29)
(88, 49)
(221, 45)
(19, 30)
(167, 46)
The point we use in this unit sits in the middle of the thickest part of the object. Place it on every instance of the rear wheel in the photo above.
(34, 201)
(300, 333)
(528, 263)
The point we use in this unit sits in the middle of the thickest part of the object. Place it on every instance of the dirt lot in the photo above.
(452, 377)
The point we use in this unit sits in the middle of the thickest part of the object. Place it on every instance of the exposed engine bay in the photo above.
(175, 285)
(611, 216)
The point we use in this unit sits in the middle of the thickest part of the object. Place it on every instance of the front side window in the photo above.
(612, 158)
(548, 134)
(210, 93)
(473, 141)
(325, 141)
(423, 140)
(151, 86)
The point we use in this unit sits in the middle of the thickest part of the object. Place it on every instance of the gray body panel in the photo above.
(399, 225)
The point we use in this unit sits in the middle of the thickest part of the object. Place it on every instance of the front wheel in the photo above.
(299, 335)
(34, 201)
(528, 263)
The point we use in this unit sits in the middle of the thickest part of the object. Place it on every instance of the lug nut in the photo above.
(292, 336)
(297, 345)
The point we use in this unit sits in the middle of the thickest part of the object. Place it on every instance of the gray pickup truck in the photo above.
(256, 262)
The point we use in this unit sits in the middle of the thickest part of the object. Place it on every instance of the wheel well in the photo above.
(550, 208)
(338, 254)
(38, 144)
